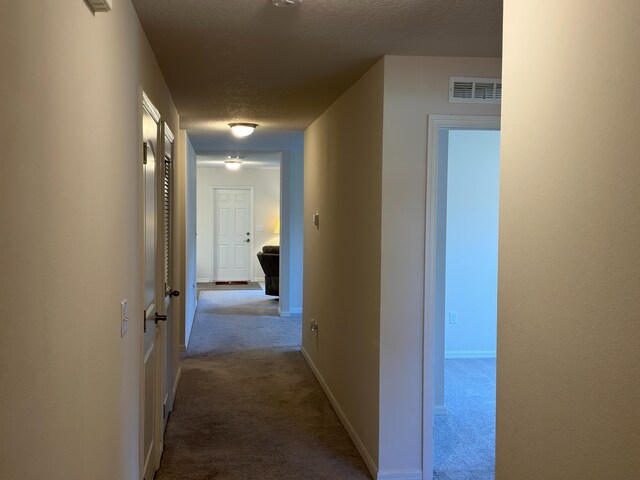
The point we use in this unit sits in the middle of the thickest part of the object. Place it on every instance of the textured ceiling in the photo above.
(246, 60)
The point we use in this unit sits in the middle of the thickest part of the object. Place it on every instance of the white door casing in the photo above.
(164, 286)
(152, 343)
(232, 234)
(433, 341)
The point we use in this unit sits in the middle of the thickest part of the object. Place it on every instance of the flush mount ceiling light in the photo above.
(286, 3)
(242, 130)
(233, 163)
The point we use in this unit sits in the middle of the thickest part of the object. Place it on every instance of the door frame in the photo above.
(148, 460)
(164, 299)
(214, 254)
(434, 279)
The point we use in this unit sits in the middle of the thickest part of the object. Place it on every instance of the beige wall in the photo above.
(365, 285)
(569, 284)
(343, 155)
(266, 192)
(414, 87)
(70, 200)
(189, 207)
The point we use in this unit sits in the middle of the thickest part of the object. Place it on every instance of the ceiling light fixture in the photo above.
(286, 3)
(233, 163)
(242, 130)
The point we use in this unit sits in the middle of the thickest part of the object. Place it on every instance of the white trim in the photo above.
(147, 462)
(435, 123)
(371, 466)
(440, 410)
(176, 381)
(400, 475)
(193, 319)
(204, 280)
(296, 311)
(150, 107)
(470, 354)
(258, 279)
(147, 354)
(168, 134)
(285, 313)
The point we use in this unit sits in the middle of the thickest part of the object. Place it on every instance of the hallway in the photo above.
(248, 406)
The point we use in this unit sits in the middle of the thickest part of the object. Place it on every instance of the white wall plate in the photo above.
(100, 5)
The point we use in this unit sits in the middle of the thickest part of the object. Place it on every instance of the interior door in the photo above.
(232, 234)
(152, 345)
(165, 325)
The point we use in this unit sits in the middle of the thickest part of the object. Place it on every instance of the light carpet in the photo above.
(465, 438)
(203, 286)
(248, 406)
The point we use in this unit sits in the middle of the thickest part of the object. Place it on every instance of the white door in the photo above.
(165, 285)
(152, 343)
(232, 234)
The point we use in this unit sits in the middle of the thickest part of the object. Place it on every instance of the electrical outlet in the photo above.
(314, 326)
(453, 318)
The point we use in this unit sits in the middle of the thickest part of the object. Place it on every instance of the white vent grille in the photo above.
(475, 90)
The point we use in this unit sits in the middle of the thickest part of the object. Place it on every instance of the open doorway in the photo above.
(461, 297)
(238, 212)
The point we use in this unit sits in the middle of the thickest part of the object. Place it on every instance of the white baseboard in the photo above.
(285, 313)
(296, 311)
(176, 381)
(400, 475)
(203, 280)
(470, 354)
(373, 469)
(440, 410)
(258, 279)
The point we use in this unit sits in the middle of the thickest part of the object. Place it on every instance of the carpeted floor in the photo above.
(204, 286)
(248, 406)
(465, 437)
(241, 320)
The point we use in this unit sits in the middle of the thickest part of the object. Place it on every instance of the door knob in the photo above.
(248, 240)
(174, 293)
(160, 318)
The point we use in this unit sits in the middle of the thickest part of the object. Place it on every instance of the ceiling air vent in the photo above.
(475, 90)
(100, 5)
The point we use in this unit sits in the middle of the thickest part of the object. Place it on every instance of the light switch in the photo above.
(124, 318)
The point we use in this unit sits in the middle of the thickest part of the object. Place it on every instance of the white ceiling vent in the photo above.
(475, 90)
(100, 5)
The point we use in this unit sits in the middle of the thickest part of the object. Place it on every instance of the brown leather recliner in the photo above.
(269, 259)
